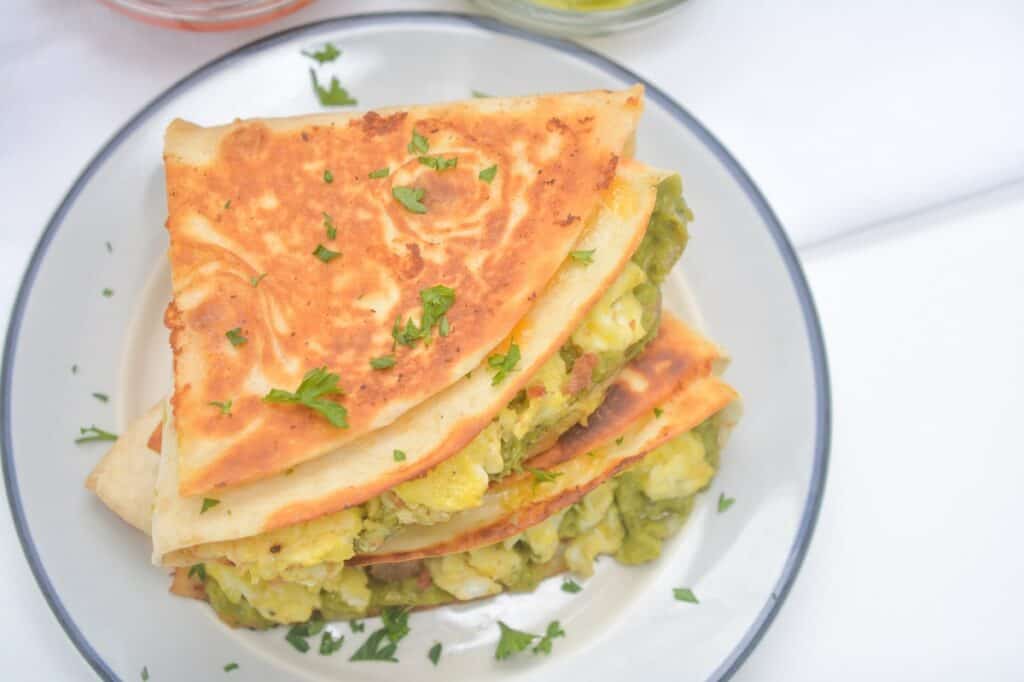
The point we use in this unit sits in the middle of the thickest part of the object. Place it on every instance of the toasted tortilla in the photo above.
(258, 197)
(126, 476)
(515, 506)
(431, 432)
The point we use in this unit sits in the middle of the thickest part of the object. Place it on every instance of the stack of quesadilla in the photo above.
(420, 357)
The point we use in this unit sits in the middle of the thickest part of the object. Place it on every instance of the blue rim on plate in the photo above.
(823, 399)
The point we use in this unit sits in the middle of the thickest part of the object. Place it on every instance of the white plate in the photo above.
(95, 571)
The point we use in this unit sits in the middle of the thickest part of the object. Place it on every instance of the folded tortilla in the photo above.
(430, 432)
(294, 236)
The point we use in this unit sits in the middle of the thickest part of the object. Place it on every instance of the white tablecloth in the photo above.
(848, 115)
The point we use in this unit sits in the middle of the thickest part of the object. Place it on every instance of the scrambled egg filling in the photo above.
(627, 517)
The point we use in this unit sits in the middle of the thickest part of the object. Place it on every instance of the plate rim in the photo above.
(812, 325)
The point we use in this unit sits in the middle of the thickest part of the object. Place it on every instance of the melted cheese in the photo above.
(615, 323)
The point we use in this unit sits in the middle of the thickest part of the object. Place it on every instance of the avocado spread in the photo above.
(627, 517)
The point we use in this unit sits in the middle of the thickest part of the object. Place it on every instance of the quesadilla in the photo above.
(477, 390)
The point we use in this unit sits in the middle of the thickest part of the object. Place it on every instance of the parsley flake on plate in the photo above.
(544, 645)
(357, 625)
(225, 407)
(325, 254)
(584, 257)
(235, 337)
(144, 674)
(477, 94)
(418, 144)
(724, 502)
(230, 666)
(383, 362)
(487, 174)
(512, 641)
(684, 594)
(329, 645)
(315, 384)
(410, 197)
(110, 247)
(107, 293)
(102, 397)
(503, 364)
(208, 504)
(332, 96)
(571, 586)
(435, 653)
(328, 53)
(92, 434)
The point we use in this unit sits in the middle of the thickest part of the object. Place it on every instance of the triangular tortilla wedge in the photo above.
(516, 505)
(292, 248)
(431, 432)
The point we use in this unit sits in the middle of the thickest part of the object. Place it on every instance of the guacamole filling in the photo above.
(565, 391)
(628, 517)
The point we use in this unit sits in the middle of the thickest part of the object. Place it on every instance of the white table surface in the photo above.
(851, 116)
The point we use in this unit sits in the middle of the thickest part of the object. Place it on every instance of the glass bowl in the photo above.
(205, 15)
(578, 18)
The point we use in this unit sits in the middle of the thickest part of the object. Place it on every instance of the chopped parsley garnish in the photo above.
(380, 173)
(658, 412)
(145, 674)
(317, 383)
(230, 666)
(208, 504)
(102, 397)
(503, 364)
(724, 502)
(198, 571)
(255, 281)
(584, 257)
(541, 476)
(435, 653)
(571, 586)
(410, 198)
(396, 622)
(357, 625)
(685, 594)
(512, 641)
(235, 337)
(328, 176)
(544, 645)
(108, 292)
(436, 300)
(297, 634)
(396, 627)
(328, 644)
(332, 231)
(398, 455)
(618, 441)
(418, 144)
(371, 650)
(444, 327)
(439, 163)
(92, 434)
(333, 96)
(74, 369)
(328, 53)
(225, 407)
(110, 247)
(480, 95)
(487, 174)
(325, 254)
(227, 204)
(383, 362)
